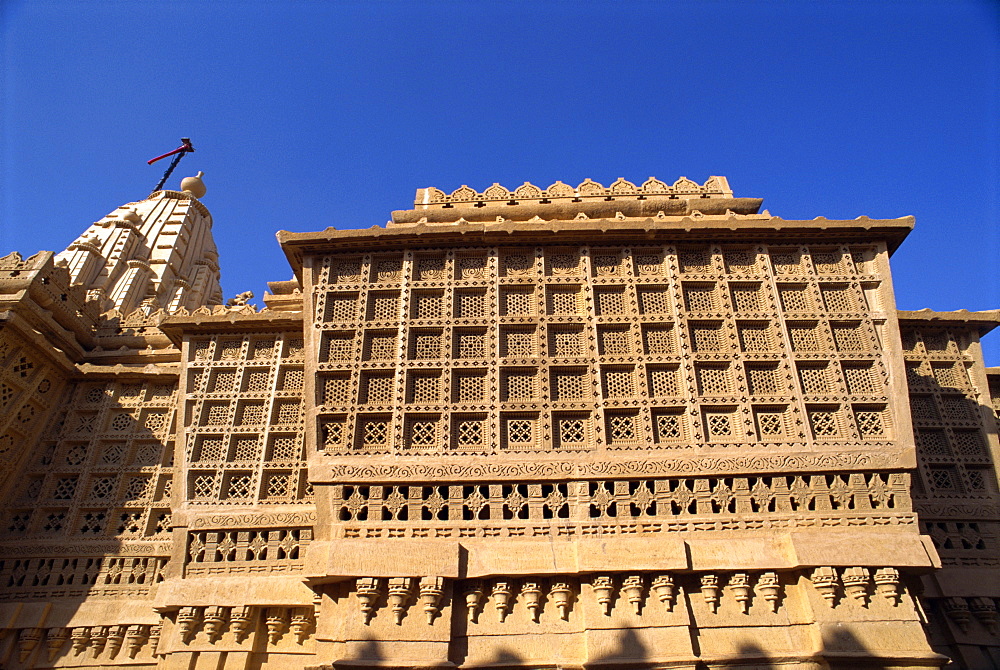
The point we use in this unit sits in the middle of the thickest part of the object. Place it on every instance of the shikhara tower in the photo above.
(625, 426)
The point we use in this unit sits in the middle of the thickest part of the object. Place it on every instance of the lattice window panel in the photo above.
(741, 261)
(138, 488)
(346, 272)
(860, 379)
(770, 422)
(696, 261)
(472, 267)
(427, 345)
(287, 448)
(795, 298)
(469, 432)
(257, 381)
(944, 479)
(619, 384)
(102, 488)
(121, 422)
(713, 380)
(383, 307)
(864, 260)
(252, 414)
(805, 337)
(519, 344)
(217, 415)
(222, 381)
(572, 431)
(786, 262)
(422, 433)
(431, 269)
(470, 344)
(565, 342)
(923, 409)
(649, 264)
(839, 298)
(262, 350)
(374, 433)
(958, 408)
(914, 375)
(828, 262)
(610, 301)
(606, 265)
(706, 337)
(952, 375)
(337, 390)
(388, 269)
(425, 388)
(520, 431)
(654, 300)
(977, 479)
(130, 523)
(663, 382)
(757, 337)
(570, 385)
(246, 448)
(519, 302)
(294, 348)
(764, 380)
(228, 351)
(378, 390)
(565, 301)
(239, 486)
(381, 346)
(203, 486)
(721, 425)
(564, 264)
(816, 380)
(287, 412)
(469, 387)
(936, 341)
(825, 422)
(520, 385)
(428, 305)
(933, 443)
(65, 488)
(341, 308)
(334, 434)
(969, 443)
(747, 298)
(340, 346)
(701, 298)
(870, 422)
(622, 428)
(849, 337)
(201, 351)
(92, 523)
(279, 485)
(7, 393)
(292, 379)
(615, 342)
(659, 340)
(472, 305)
(77, 454)
(54, 522)
(210, 449)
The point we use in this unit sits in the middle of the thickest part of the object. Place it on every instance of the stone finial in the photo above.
(194, 185)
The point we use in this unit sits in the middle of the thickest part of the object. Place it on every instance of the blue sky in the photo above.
(314, 114)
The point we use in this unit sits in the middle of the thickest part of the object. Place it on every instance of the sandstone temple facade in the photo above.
(625, 426)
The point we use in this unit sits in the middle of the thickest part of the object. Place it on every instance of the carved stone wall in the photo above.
(956, 494)
(631, 426)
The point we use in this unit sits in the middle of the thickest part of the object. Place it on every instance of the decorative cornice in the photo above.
(587, 190)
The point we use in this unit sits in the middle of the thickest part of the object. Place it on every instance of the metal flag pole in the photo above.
(178, 154)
